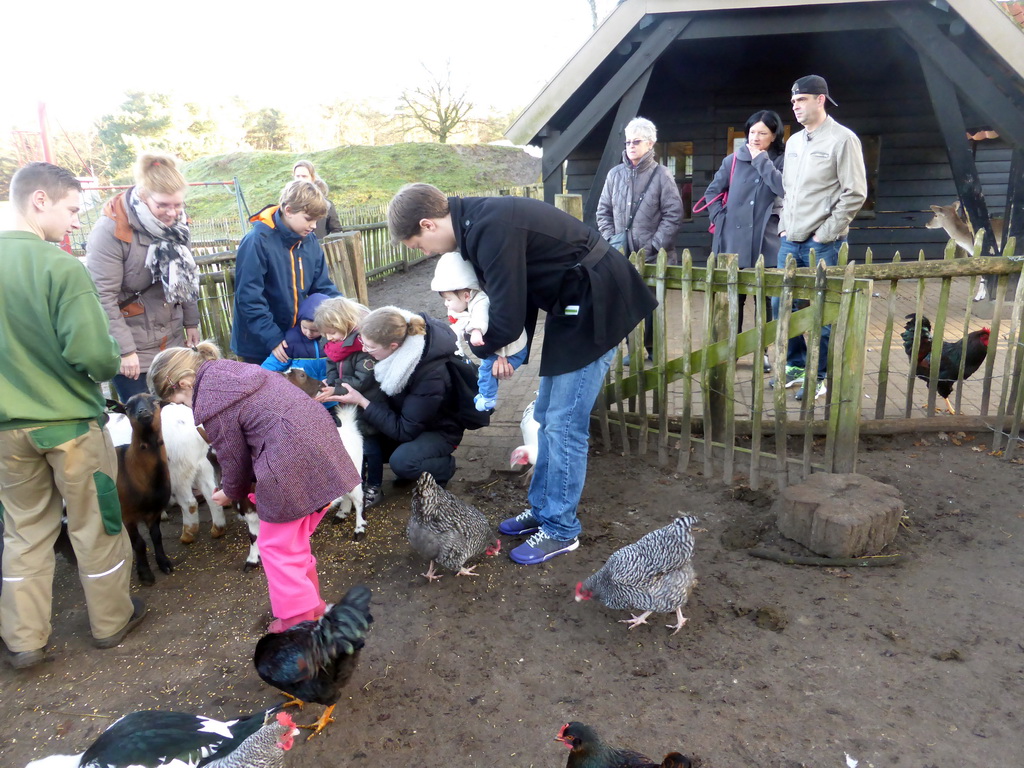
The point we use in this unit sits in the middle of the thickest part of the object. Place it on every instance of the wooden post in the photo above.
(661, 357)
(712, 420)
(883, 372)
(916, 348)
(637, 365)
(844, 419)
(810, 385)
(990, 361)
(686, 341)
(571, 204)
(939, 331)
(781, 361)
(758, 378)
(1011, 401)
(358, 265)
(727, 327)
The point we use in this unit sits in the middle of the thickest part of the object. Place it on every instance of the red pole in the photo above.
(43, 134)
(44, 137)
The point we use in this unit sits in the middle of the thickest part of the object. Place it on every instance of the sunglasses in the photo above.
(635, 142)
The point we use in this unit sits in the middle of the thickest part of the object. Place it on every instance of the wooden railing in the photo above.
(689, 399)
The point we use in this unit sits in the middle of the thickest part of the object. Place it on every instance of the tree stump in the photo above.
(840, 515)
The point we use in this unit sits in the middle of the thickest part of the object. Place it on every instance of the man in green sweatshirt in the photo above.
(55, 345)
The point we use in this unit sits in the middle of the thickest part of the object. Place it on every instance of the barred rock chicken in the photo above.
(447, 530)
(586, 750)
(653, 574)
(157, 739)
(949, 362)
(313, 660)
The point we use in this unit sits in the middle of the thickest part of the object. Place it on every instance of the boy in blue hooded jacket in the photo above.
(279, 264)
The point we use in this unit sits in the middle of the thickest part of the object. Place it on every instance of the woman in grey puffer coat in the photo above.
(748, 224)
(644, 189)
(641, 183)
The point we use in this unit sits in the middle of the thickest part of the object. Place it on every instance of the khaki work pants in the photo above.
(33, 481)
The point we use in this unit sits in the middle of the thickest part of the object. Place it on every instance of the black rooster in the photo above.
(949, 361)
(586, 750)
(313, 660)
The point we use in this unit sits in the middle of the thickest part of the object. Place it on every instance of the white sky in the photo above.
(304, 52)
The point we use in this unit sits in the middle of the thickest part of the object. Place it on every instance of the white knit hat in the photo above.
(454, 273)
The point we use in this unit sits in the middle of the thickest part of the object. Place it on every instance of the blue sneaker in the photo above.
(522, 524)
(485, 403)
(540, 548)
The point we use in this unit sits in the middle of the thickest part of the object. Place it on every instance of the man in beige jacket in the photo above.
(825, 185)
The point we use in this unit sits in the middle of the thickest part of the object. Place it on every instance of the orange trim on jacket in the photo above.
(114, 209)
(266, 216)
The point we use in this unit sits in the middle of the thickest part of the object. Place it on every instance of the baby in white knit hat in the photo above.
(468, 309)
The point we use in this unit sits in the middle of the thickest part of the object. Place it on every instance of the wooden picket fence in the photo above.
(707, 394)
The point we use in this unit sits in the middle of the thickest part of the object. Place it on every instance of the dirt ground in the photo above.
(918, 665)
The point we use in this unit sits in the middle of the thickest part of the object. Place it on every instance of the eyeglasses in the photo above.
(635, 142)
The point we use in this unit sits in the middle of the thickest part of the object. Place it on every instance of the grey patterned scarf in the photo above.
(168, 255)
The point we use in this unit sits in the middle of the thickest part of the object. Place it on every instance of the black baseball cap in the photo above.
(812, 84)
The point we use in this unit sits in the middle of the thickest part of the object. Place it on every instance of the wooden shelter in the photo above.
(912, 77)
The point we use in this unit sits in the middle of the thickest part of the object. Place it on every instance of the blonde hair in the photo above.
(303, 197)
(390, 325)
(176, 363)
(339, 313)
(308, 166)
(158, 173)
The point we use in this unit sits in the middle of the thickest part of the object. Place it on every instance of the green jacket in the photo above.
(55, 341)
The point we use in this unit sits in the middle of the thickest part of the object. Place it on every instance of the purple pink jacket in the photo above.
(267, 430)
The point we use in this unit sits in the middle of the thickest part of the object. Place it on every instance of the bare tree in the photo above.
(436, 107)
(593, 12)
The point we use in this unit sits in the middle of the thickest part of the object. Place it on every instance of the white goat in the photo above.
(189, 463)
(352, 439)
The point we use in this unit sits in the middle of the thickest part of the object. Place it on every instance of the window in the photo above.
(677, 156)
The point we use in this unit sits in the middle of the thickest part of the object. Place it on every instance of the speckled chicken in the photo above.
(655, 574)
(447, 530)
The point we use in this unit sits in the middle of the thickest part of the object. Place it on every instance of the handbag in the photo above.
(723, 196)
(620, 239)
(132, 307)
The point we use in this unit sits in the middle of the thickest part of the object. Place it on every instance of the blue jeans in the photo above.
(563, 410)
(126, 387)
(486, 383)
(829, 253)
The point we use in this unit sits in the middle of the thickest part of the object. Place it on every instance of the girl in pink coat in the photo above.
(268, 431)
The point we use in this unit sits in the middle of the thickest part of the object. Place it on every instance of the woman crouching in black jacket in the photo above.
(418, 432)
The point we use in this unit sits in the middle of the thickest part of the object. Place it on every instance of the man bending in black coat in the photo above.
(530, 256)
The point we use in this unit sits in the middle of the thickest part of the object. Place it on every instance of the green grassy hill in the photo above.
(358, 175)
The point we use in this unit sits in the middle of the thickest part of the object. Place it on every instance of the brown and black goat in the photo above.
(144, 482)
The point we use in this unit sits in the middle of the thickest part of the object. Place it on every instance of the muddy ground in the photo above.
(918, 665)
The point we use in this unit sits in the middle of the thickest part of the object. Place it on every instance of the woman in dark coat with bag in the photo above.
(744, 199)
(416, 429)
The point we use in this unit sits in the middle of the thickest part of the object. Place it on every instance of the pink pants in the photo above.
(290, 565)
